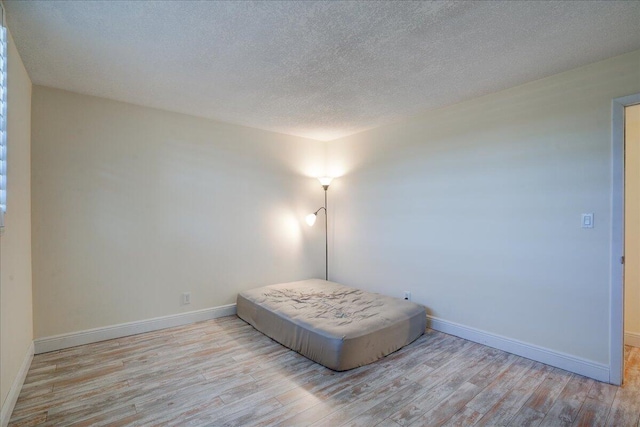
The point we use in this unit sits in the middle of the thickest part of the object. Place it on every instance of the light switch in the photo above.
(587, 220)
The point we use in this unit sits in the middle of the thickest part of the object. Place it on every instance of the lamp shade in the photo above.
(311, 219)
(325, 180)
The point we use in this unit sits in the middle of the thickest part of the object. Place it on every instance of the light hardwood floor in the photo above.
(223, 372)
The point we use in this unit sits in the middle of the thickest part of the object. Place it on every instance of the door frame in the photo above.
(616, 285)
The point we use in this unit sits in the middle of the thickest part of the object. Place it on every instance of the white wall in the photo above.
(632, 226)
(133, 206)
(16, 327)
(476, 209)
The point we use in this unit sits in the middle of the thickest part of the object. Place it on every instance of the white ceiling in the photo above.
(321, 69)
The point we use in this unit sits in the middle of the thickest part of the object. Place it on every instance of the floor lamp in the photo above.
(311, 219)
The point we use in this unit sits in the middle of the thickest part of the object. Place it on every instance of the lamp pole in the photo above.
(311, 219)
(326, 235)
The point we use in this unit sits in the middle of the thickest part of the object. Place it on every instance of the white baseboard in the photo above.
(632, 339)
(58, 342)
(560, 360)
(14, 391)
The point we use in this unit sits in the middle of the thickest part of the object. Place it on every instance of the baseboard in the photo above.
(560, 360)
(632, 339)
(73, 339)
(14, 391)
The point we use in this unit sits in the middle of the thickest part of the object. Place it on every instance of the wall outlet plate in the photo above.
(186, 298)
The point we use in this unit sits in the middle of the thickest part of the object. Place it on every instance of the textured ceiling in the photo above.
(316, 69)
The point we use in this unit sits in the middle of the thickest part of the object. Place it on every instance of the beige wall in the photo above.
(134, 206)
(476, 209)
(16, 328)
(632, 224)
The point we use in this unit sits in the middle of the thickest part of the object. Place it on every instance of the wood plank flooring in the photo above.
(224, 373)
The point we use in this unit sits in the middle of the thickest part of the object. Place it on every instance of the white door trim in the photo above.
(616, 285)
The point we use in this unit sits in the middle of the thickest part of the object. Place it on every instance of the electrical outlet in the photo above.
(407, 295)
(186, 298)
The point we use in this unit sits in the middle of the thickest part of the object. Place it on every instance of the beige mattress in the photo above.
(337, 326)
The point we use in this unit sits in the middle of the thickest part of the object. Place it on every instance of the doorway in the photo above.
(617, 300)
(631, 230)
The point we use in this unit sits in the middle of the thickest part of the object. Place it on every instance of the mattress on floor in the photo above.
(335, 325)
